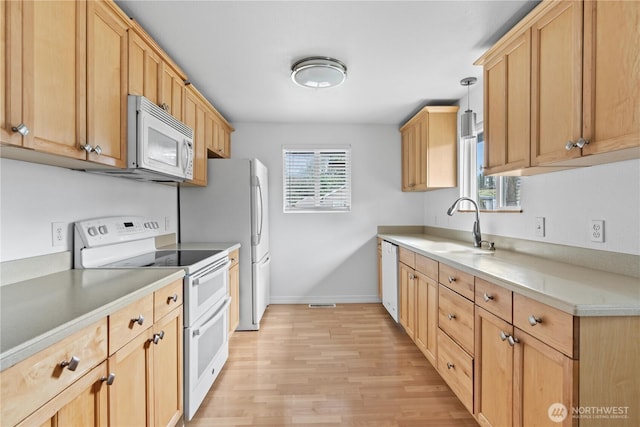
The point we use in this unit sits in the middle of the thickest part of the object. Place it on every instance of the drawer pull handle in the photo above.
(451, 279)
(513, 340)
(504, 335)
(157, 337)
(109, 379)
(71, 364)
(450, 365)
(173, 298)
(451, 316)
(533, 320)
(139, 320)
(487, 297)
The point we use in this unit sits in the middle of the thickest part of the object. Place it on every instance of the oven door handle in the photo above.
(210, 274)
(202, 329)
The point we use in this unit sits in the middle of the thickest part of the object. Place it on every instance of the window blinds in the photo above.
(317, 180)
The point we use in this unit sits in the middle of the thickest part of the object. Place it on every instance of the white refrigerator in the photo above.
(234, 207)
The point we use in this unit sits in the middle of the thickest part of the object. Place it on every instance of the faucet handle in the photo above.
(491, 245)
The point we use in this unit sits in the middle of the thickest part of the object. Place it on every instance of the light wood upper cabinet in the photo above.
(508, 88)
(585, 83)
(195, 112)
(144, 68)
(172, 91)
(65, 78)
(556, 83)
(611, 78)
(45, 45)
(429, 149)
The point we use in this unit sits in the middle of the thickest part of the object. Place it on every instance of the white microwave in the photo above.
(159, 147)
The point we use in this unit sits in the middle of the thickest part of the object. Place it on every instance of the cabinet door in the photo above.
(84, 403)
(53, 80)
(611, 76)
(167, 369)
(144, 69)
(543, 376)
(130, 396)
(234, 291)
(106, 84)
(172, 92)
(413, 158)
(194, 117)
(556, 83)
(426, 315)
(440, 146)
(406, 287)
(507, 107)
(493, 370)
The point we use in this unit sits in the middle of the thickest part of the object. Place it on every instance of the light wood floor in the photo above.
(344, 366)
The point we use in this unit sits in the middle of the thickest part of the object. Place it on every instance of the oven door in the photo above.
(204, 289)
(206, 351)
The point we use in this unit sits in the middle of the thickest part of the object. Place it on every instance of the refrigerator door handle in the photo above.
(259, 221)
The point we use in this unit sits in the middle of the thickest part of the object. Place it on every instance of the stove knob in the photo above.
(103, 229)
(156, 225)
(92, 231)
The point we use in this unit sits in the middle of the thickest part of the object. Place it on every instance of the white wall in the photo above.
(568, 200)
(32, 196)
(331, 257)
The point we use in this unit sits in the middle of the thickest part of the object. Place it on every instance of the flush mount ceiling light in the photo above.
(468, 119)
(318, 72)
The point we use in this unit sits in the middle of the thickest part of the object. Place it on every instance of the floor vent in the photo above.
(322, 306)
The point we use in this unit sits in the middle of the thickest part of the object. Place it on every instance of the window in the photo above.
(492, 193)
(317, 180)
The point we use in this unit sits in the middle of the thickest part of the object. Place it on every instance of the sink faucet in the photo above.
(477, 237)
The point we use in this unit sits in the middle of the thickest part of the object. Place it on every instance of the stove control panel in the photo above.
(117, 229)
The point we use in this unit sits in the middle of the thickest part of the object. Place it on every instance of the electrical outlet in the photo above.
(58, 234)
(540, 226)
(596, 230)
(167, 223)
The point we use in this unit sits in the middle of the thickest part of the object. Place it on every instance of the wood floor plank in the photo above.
(345, 366)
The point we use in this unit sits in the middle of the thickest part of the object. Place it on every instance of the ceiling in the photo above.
(400, 55)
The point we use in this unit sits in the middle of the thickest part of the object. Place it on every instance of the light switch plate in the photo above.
(540, 226)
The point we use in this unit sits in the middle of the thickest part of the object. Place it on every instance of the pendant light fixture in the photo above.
(468, 119)
(318, 72)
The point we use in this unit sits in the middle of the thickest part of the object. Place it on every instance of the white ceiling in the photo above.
(400, 55)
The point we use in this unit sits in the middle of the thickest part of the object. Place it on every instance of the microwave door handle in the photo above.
(185, 156)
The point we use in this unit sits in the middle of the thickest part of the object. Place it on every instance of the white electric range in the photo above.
(129, 242)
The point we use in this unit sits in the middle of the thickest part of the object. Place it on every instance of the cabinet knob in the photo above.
(533, 320)
(173, 298)
(450, 365)
(139, 320)
(165, 106)
(451, 316)
(22, 129)
(157, 337)
(504, 335)
(451, 279)
(87, 147)
(70, 364)
(581, 142)
(97, 150)
(512, 340)
(109, 379)
(487, 297)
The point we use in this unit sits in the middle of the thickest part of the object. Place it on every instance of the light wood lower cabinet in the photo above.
(407, 299)
(134, 381)
(234, 290)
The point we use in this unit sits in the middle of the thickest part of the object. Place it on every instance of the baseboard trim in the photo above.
(337, 299)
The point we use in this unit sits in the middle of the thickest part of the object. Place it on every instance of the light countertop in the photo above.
(37, 313)
(576, 290)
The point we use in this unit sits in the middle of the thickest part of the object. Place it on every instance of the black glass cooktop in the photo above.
(172, 258)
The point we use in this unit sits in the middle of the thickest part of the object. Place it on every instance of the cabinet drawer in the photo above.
(495, 299)
(31, 383)
(166, 299)
(407, 257)
(124, 325)
(234, 255)
(456, 318)
(456, 368)
(550, 325)
(457, 280)
(427, 266)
